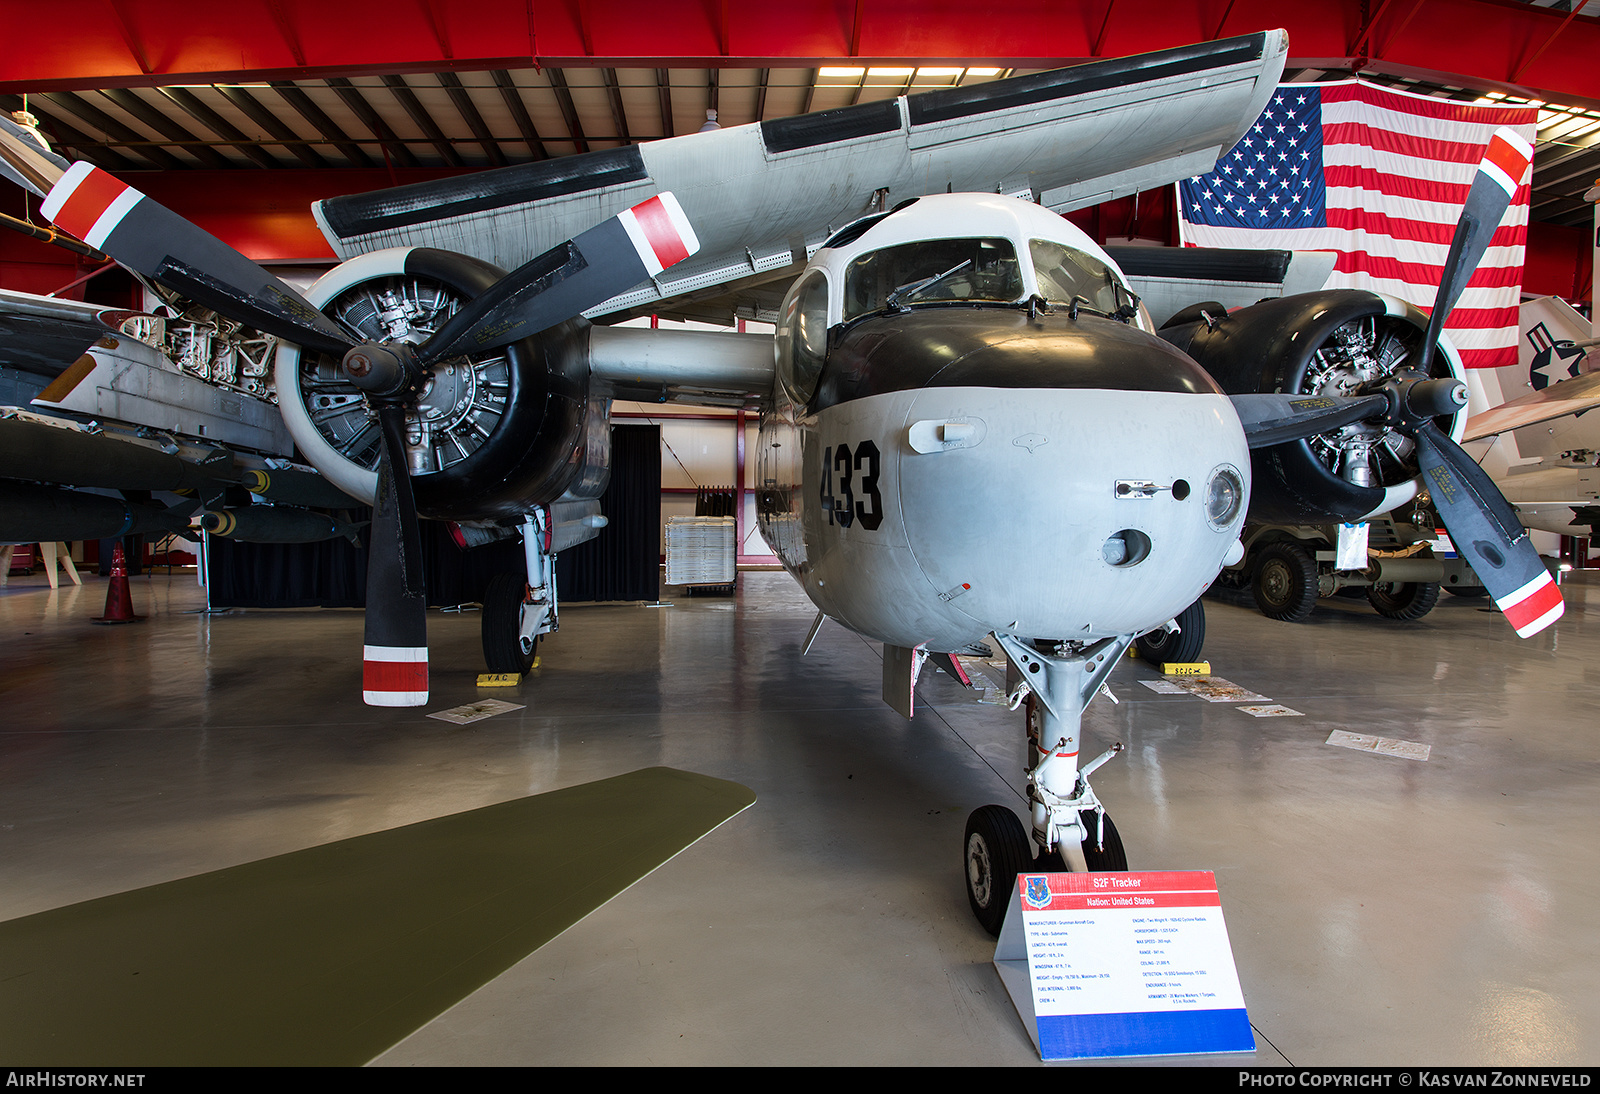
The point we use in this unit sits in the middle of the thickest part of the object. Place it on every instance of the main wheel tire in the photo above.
(502, 624)
(1403, 600)
(1160, 647)
(994, 852)
(1285, 583)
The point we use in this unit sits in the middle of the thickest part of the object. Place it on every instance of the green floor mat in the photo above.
(332, 954)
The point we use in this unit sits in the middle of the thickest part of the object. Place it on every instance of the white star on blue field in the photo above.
(1273, 177)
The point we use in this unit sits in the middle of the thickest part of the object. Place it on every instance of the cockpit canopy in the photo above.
(930, 271)
(941, 251)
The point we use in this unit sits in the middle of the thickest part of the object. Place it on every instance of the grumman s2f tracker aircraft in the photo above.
(968, 426)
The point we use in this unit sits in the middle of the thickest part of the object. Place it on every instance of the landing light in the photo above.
(1224, 495)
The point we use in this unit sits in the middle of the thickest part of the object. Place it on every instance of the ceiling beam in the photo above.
(569, 109)
(311, 112)
(1544, 52)
(619, 115)
(248, 105)
(664, 101)
(99, 119)
(393, 147)
(469, 114)
(512, 96)
(66, 139)
(190, 104)
(148, 115)
(422, 119)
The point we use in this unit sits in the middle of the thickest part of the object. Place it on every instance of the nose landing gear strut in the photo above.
(1070, 827)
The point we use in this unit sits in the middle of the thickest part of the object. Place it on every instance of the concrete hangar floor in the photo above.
(1383, 910)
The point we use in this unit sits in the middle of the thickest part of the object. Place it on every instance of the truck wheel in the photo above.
(1403, 600)
(1285, 582)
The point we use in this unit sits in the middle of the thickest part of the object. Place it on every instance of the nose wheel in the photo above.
(996, 851)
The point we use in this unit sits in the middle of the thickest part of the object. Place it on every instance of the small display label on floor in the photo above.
(1383, 746)
(1136, 964)
(474, 712)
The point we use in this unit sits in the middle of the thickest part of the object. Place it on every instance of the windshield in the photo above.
(933, 271)
(1066, 273)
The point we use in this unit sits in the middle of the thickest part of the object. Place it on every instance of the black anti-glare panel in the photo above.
(421, 202)
(831, 126)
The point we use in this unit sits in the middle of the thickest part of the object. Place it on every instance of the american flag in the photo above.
(1380, 177)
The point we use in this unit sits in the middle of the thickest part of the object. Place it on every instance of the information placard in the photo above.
(1134, 964)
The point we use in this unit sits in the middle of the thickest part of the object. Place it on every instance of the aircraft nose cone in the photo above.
(1081, 513)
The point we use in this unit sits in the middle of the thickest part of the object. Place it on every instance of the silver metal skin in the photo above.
(1001, 537)
(1064, 520)
(1006, 526)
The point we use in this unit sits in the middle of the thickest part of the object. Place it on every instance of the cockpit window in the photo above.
(1066, 273)
(932, 271)
(802, 337)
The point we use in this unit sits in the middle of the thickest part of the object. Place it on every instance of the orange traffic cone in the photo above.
(119, 601)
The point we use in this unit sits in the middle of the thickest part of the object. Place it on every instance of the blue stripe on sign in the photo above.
(1177, 1033)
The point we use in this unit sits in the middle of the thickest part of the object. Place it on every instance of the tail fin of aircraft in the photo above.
(1546, 396)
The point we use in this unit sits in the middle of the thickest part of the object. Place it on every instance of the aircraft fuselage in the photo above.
(950, 468)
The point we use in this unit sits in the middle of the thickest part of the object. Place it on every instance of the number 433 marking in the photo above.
(845, 508)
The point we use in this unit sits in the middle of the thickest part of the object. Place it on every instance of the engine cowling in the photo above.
(493, 436)
(1334, 342)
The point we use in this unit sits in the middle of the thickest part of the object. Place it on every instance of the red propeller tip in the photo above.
(660, 232)
(1507, 159)
(1533, 607)
(89, 203)
(394, 676)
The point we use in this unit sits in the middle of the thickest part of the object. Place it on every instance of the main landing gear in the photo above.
(1071, 830)
(518, 609)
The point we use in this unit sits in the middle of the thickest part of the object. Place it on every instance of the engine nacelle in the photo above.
(1333, 342)
(494, 435)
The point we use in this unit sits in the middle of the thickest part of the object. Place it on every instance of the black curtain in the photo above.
(622, 563)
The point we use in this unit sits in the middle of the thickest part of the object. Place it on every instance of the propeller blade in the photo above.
(1485, 529)
(1499, 174)
(566, 280)
(395, 656)
(1555, 401)
(152, 240)
(1270, 419)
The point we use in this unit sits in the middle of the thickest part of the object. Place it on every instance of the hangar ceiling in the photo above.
(465, 117)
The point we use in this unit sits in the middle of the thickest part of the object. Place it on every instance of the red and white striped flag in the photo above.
(1380, 177)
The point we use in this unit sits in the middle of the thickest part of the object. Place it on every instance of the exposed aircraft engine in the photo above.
(1338, 342)
(491, 434)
